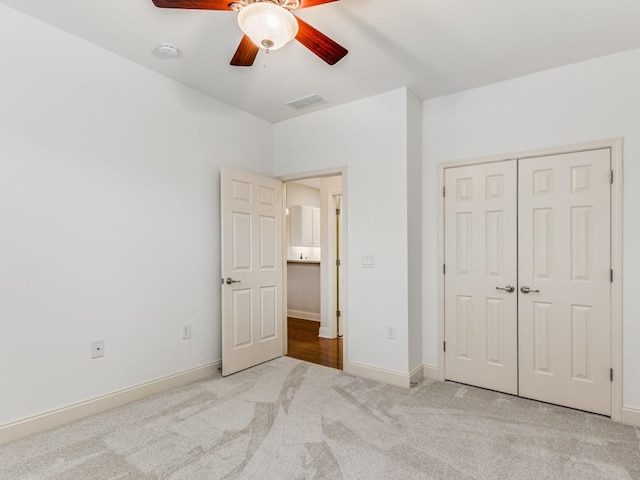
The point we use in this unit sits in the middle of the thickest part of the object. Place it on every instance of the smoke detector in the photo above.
(166, 51)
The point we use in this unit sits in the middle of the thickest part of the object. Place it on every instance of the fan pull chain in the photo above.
(267, 44)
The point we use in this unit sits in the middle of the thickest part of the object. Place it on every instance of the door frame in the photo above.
(616, 147)
(335, 254)
(333, 236)
(331, 172)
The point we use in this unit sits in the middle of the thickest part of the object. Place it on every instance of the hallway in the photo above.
(304, 344)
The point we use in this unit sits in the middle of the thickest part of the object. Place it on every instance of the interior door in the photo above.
(481, 274)
(251, 229)
(564, 270)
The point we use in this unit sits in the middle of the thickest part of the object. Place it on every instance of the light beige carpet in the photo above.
(288, 419)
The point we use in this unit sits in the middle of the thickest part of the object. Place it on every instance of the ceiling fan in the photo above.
(268, 24)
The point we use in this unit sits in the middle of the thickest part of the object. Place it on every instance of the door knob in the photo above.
(231, 280)
(508, 288)
(528, 290)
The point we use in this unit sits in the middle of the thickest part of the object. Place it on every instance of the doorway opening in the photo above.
(313, 248)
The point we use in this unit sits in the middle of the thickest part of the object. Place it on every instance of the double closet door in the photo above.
(527, 279)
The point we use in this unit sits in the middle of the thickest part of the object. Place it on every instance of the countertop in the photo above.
(312, 262)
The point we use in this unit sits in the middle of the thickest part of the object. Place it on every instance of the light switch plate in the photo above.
(367, 261)
(186, 331)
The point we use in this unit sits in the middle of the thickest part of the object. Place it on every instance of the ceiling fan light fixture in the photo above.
(268, 25)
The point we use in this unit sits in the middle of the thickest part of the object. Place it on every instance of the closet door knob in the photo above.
(230, 280)
(508, 288)
(528, 290)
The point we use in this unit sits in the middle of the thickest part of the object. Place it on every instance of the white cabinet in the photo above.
(305, 226)
(315, 227)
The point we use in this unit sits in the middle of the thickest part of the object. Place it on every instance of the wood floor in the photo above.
(304, 344)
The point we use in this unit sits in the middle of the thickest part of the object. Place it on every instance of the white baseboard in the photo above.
(325, 333)
(314, 317)
(631, 416)
(430, 371)
(378, 374)
(417, 375)
(62, 416)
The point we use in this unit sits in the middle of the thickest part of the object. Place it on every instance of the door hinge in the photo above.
(444, 346)
(611, 176)
(611, 275)
(444, 192)
(338, 263)
(444, 268)
(337, 211)
(338, 313)
(611, 374)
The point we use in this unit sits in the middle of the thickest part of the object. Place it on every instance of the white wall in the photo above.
(298, 194)
(594, 100)
(303, 291)
(109, 209)
(369, 138)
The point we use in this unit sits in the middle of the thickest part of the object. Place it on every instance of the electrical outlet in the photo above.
(97, 349)
(391, 332)
(186, 331)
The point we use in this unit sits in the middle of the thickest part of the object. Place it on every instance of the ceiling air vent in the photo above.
(306, 102)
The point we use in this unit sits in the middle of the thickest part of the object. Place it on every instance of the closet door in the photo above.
(481, 274)
(564, 284)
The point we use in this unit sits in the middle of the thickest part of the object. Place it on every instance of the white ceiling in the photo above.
(433, 47)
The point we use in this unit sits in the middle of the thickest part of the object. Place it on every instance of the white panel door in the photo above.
(481, 274)
(251, 229)
(564, 260)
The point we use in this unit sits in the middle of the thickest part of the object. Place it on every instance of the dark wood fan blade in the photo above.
(245, 54)
(328, 50)
(313, 3)
(194, 4)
